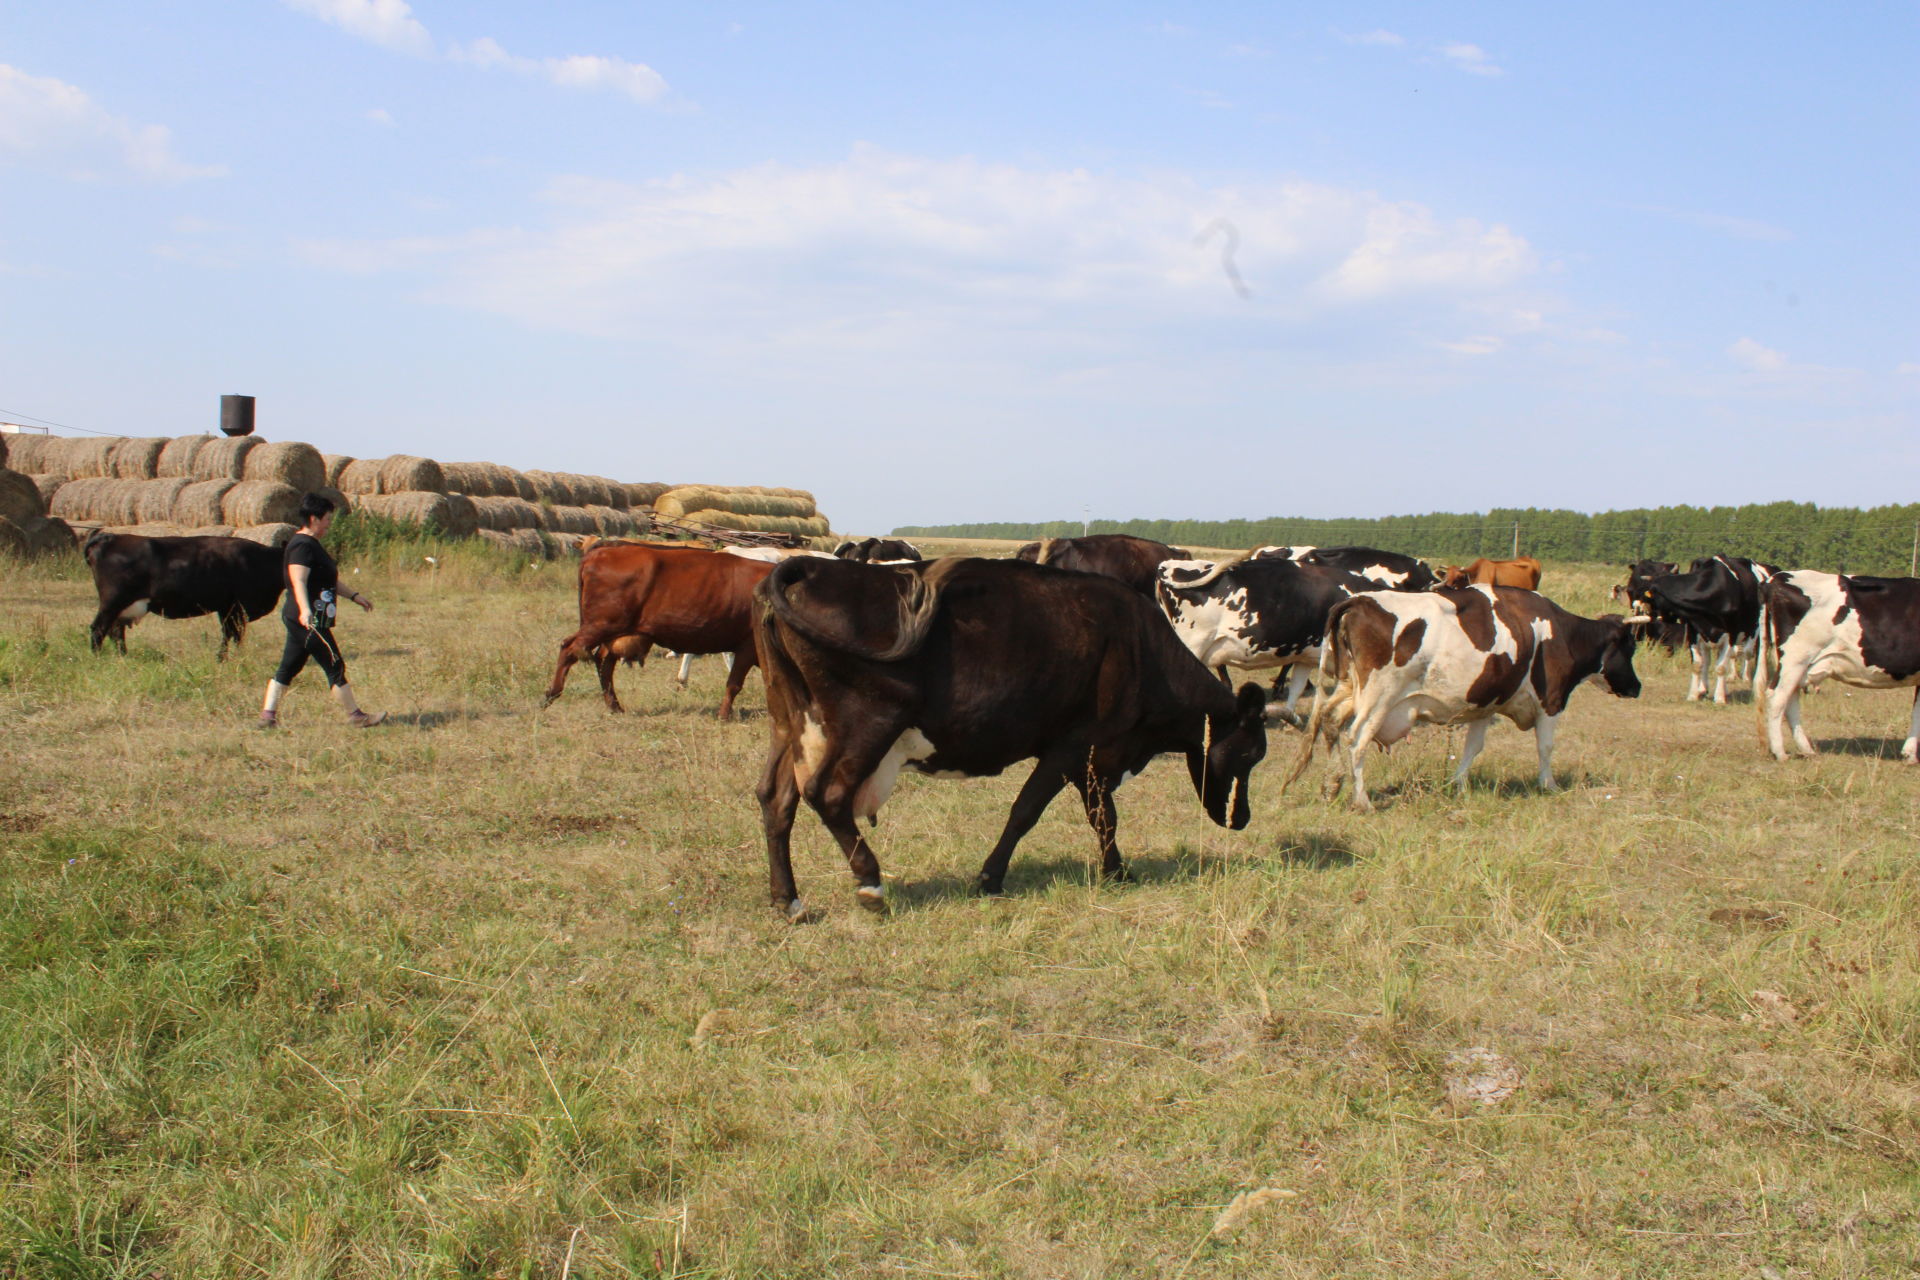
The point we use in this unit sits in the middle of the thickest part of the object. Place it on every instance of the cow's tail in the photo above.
(1766, 659)
(918, 605)
(1211, 575)
(91, 548)
(1334, 662)
(1047, 547)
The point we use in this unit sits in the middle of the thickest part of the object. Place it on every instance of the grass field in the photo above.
(496, 991)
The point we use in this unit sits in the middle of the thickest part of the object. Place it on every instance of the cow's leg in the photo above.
(117, 612)
(1297, 678)
(1042, 785)
(686, 669)
(1727, 649)
(1359, 738)
(1910, 749)
(779, 795)
(1782, 709)
(1543, 743)
(572, 649)
(835, 807)
(1698, 650)
(739, 663)
(233, 630)
(1476, 738)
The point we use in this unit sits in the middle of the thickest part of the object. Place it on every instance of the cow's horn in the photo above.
(1219, 567)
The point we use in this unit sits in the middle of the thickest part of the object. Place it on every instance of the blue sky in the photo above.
(993, 262)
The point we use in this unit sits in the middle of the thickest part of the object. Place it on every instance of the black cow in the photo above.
(1718, 600)
(883, 550)
(1858, 630)
(1668, 634)
(236, 580)
(1255, 612)
(968, 666)
(1121, 556)
(1387, 570)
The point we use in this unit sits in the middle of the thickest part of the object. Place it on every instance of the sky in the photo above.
(989, 262)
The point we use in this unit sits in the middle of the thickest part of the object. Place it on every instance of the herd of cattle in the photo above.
(1093, 655)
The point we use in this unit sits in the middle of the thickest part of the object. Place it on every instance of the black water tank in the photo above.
(236, 415)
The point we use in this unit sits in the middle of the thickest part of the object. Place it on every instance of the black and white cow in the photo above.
(1387, 570)
(1718, 600)
(1255, 613)
(966, 667)
(878, 550)
(1460, 656)
(1633, 593)
(1858, 630)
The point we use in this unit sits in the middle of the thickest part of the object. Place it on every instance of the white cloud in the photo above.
(1470, 58)
(904, 253)
(381, 116)
(1375, 37)
(387, 23)
(1908, 368)
(1739, 228)
(1479, 345)
(44, 117)
(1761, 359)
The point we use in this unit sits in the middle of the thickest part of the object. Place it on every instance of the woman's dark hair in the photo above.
(315, 505)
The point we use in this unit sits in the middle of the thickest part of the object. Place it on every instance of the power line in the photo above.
(49, 422)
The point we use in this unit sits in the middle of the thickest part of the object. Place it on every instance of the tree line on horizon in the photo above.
(1795, 535)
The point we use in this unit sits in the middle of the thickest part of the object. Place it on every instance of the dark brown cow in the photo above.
(1461, 657)
(1134, 561)
(236, 580)
(969, 666)
(688, 599)
(1523, 573)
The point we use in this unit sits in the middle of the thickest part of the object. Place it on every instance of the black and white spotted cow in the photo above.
(878, 551)
(1460, 656)
(1858, 630)
(1387, 570)
(1254, 613)
(1718, 600)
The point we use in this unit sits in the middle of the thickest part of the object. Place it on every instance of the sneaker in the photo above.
(361, 720)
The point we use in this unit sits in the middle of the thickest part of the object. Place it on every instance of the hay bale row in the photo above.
(527, 542)
(287, 462)
(487, 480)
(95, 499)
(806, 526)
(644, 494)
(567, 489)
(402, 473)
(454, 515)
(687, 499)
(28, 453)
(20, 499)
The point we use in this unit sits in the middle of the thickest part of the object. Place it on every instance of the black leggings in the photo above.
(318, 645)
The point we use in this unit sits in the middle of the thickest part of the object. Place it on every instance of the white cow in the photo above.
(1861, 631)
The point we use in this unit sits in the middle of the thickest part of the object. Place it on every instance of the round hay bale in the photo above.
(13, 540)
(360, 477)
(255, 502)
(224, 458)
(155, 501)
(289, 462)
(547, 488)
(506, 514)
(74, 499)
(616, 493)
(47, 485)
(523, 488)
(138, 459)
(20, 499)
(478, 479)
(335, 463)
(49, 537)
(209, 531)
(569, 542)
(494, 537)
(176, 457)
(428, 510)
(339, 500)
(807, 526)
(89, 457)
(267, 535)
(118, 502)
(588, 491)
(199, 504)
(611, 523)
(97, 500)
(404, 473)
(29, 451)
(571, 520)
(643, 493)
(463, 518)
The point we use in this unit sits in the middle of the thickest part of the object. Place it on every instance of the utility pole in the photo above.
(1516, 540)
(1913, 570)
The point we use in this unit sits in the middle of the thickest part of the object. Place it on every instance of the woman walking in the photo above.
(313, 580)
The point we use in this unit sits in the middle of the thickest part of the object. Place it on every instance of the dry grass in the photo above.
(495, 992)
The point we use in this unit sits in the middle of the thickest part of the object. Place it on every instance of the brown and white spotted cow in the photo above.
(1858, 630)
(1461, 657)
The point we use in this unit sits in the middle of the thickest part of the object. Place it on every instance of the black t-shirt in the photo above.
(322, 573)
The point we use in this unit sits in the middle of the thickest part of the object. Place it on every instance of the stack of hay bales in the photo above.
(25, 528)
(751, 507)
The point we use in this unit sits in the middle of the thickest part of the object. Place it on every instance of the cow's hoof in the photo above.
(1122, 874)
(873, 897)
(989, 888)
(796, 912)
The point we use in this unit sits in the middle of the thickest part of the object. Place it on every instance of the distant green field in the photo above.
(496, 991)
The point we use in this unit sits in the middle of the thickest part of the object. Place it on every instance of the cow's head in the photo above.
(1616, 654)
(1234, 743)
(1452, 575)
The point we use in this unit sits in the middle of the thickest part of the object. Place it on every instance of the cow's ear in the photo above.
(1252, 700)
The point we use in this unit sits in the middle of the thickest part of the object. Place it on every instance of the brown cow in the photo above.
(634, 595)
(1134, 561)
(1523, 573)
